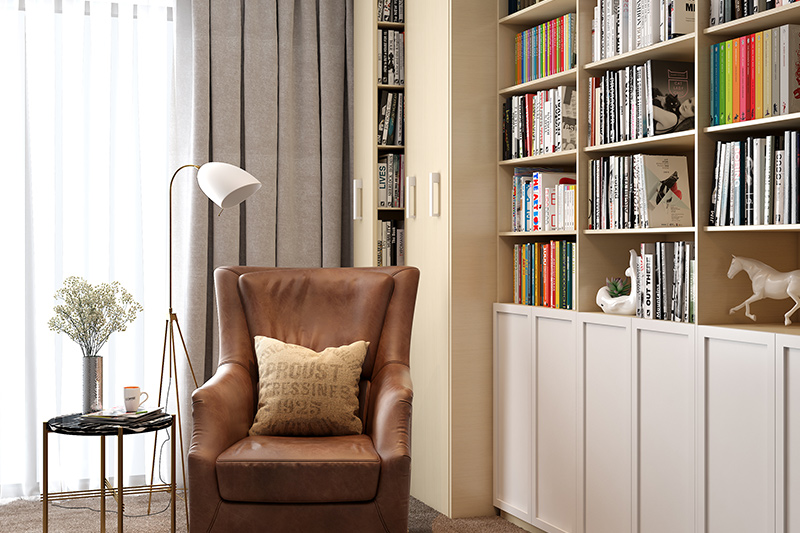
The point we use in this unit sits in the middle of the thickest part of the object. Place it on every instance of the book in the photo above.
(383, 170)
(723, 83)
(766, 73)
(789, 78)
(648, 286)
(666, 184)
(119, 416)
(776, 72)
(382, 124)
(758, 77)
(736, 79)
(681, 18)
(671, 102)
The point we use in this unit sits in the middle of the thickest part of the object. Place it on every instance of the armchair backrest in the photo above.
(317, 308)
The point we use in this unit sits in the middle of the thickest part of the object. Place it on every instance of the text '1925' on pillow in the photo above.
(306, 393)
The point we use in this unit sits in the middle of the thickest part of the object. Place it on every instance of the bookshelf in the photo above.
(651, 397)
(375, 244)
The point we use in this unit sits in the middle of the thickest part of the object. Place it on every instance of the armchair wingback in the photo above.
(240, 483)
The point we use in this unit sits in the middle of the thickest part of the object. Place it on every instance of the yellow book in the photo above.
(729, 82)
(767, 73)
(759, 57)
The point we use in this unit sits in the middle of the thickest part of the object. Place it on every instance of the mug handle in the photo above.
(146, 396)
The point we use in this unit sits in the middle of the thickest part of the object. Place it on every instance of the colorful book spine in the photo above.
(545, 49)
(723, 83)
(736, 73)
(767, 74)
(758, 78)
(744, 76)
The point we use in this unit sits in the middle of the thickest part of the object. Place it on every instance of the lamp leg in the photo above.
(172, 367)
(180, 425)
(183, 342)
(160, 387)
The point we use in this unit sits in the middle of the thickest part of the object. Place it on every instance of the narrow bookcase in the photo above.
(641, 423)
(379, 187)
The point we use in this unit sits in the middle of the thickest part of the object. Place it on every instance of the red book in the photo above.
(751, 77)
(546, 274)
(735, 72)
(744, 85)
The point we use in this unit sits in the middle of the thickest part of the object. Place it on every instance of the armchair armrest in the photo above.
(390, 428)
(222, 413)
(390, 414)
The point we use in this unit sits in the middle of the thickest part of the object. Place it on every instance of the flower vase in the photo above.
(92, 383)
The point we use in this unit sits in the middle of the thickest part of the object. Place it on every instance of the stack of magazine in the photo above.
(118, 416)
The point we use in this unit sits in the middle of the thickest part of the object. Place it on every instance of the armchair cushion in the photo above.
(307, 393)
(299, 470)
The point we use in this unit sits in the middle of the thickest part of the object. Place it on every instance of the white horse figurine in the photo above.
(621, 305)
(767, 283)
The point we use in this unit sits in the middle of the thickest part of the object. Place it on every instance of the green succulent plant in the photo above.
(618, 287)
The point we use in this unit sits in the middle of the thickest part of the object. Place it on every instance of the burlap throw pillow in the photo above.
(307, 393)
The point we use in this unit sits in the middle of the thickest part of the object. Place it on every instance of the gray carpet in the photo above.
(79, 516)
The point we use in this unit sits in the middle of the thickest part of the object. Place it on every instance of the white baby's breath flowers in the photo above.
(90, 314)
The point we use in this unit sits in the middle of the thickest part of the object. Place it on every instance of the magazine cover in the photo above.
(666, 181)
(672, 95)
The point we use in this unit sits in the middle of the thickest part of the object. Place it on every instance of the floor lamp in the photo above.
(227, 186)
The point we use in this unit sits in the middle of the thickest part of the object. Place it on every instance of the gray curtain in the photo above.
(270, 90)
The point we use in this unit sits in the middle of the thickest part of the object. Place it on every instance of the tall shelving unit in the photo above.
(449, 224)
(643, 439)
(367, 212)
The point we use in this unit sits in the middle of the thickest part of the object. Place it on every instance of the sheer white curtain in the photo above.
(85, 105)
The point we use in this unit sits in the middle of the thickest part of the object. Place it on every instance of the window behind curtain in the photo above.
(85, 103)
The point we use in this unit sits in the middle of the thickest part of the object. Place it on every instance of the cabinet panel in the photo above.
(555, 426)
(605, 342)
(789, 354)
(740, 430)
(513, 402)
(666, 423)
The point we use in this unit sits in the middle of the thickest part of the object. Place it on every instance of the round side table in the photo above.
(73, 424)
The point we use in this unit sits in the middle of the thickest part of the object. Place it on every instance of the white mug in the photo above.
(133, 398)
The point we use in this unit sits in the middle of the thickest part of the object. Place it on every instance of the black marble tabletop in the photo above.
(73, 424)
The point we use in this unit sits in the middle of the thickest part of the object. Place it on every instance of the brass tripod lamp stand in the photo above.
(227, 186)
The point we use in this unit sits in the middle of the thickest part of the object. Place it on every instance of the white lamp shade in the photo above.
(226, 185)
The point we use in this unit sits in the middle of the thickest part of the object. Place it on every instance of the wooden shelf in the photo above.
(529, 234)
(681, 141)
(568, 77)
(638, 231)
(780, 122)
(565, 157)
(678, 49)
(539, 12)
(391, 26)
(786, 14)
(745, 229)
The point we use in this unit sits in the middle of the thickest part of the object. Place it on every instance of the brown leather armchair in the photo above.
(353, 483)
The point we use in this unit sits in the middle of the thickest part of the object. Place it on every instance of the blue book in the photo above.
(715, 85)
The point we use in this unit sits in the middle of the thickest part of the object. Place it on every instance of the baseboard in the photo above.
(519, 523)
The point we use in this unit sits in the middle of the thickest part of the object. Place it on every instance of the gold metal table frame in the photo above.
(105, 486)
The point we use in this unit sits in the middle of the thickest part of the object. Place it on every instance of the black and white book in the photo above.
(670, 105)
(667, 194)
(119, 416)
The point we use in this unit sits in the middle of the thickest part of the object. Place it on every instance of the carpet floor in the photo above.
(80, 516)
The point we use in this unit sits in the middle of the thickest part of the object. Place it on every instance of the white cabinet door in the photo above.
(513, 409)
(788, 348)
(664, 365)
(740, 428)
(605, 347)
(555, 466)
